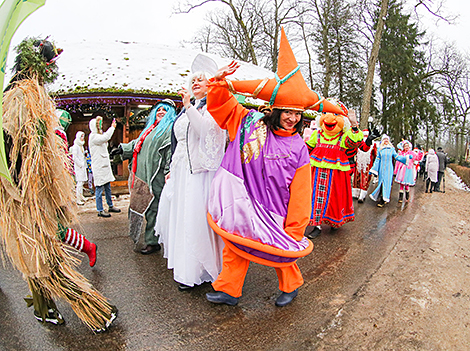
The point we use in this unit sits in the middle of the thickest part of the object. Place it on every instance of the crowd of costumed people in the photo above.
(216, 185)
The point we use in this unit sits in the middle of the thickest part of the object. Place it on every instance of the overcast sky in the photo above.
(152, 21)
(126, 20)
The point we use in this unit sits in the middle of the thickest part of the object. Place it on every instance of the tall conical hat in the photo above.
(288, 89)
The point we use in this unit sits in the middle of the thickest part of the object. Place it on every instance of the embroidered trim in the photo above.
(333, 138)
(319, 102)
(252, 95)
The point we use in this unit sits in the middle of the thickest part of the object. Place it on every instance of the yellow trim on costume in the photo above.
(252, 95)
(316, 104)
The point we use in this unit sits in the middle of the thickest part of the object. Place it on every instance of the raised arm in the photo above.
(222, 104)
(300, 203)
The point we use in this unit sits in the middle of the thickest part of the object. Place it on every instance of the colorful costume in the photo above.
(37, 206)
(260, 196)
(365, 156)
(418, 159)
(383, 169)
(193, 250)
(331, 176)
(266, 222)
(150, 154)
(405, 172)
(89, 171)
(64, 121)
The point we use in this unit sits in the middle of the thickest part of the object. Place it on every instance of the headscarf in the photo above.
(402, 143)
(382, 144)
(78, 140)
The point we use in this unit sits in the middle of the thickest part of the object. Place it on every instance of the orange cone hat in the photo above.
(288, 90)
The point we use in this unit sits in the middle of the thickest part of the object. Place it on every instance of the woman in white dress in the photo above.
(79, 165)
(193, 250)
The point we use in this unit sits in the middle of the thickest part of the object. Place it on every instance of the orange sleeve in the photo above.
(224, 107)
(300, 203)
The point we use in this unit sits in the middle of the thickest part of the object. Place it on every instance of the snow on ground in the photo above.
(458, 181)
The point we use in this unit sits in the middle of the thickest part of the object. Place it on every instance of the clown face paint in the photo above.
(331, 123)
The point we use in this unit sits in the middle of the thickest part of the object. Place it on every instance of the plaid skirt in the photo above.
(332, 197)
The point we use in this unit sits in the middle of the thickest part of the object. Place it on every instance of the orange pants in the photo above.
(234, 270)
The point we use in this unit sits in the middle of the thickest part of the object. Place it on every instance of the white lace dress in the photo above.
(193, 250)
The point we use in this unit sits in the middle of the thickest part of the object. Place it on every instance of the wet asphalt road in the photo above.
(154, 315)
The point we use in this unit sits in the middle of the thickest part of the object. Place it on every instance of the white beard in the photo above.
(362, 159)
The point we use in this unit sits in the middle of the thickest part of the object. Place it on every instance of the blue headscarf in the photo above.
(166, 122)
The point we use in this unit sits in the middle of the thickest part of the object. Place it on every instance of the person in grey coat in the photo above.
(441, 155)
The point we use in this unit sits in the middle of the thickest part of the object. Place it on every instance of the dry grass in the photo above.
(462, 171)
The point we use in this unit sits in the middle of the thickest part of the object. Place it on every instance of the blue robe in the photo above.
(383, 168)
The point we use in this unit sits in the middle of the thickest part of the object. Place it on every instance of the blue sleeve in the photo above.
(375, 168)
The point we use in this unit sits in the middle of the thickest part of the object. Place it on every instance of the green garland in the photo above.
(33, 64)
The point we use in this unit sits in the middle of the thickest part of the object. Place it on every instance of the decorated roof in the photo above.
(130, 66)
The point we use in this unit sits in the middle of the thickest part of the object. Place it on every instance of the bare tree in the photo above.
(453, 85)
(323, 13)
(305, 38)
(249, 29)
(203, 38)
(329, 30)
(368, 86)
(433, 7)
(273, 15)
(237, 8)
(229, 39)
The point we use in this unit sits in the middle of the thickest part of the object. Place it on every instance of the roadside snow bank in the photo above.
(459, 184)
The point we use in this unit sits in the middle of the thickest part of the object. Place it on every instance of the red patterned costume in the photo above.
(361, 158)
(365, 158)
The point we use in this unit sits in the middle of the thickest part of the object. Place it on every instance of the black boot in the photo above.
(381, 202)
(427, 185)
(400, 197)
(407, 195)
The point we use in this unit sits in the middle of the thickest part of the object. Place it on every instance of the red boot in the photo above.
(78, 241)
(90, 249)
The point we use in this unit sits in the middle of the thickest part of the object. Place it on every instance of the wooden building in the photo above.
(123, 80)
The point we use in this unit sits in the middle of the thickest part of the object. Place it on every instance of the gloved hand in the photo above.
(116, 151)
(373, 134)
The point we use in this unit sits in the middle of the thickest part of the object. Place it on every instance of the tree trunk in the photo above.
(365, 110)
(249, 43)
(328, 70)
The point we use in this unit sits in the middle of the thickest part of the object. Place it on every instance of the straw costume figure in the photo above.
(38, 206)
